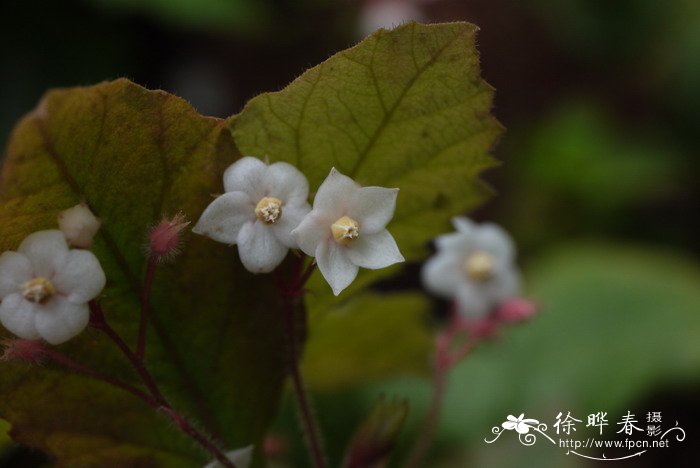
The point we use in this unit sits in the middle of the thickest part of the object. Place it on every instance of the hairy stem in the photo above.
(78, 368)
(98, 321)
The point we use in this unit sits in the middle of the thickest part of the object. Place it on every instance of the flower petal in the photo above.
(81, 277)
(223, 219)
(495, 240)
(458, 243)
(335, 194)
(509, 425)
(15, 270)
(472, 300)
(287, 183)
(247, 175)
(59, 320)
(17, 315)
(314, 229)
(335, 266)
(46, 251)
(504, 285)
(442, 275)
(374, 251)
(259, 249)
(292, 215)
(463, 225)
(373, 208)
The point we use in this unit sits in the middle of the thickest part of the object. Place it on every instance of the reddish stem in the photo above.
(78, 368)
(310, 426)
(145, 305)
(422, 446)
(97, 320)
(445, 360)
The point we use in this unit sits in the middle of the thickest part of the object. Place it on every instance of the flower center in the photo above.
(479, 266)
(38, 290)
(269, 210)
(345, 230)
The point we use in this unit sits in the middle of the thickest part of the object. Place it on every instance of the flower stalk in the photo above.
(156, 399)
(288, 295)
(446, 357)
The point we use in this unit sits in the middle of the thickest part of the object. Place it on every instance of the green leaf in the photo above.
(216, 344)
(404, 108)
(367, 338)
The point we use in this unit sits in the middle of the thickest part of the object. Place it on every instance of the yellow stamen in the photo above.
(479, 266)
(269, 210)
(345, 230)
(38, 290)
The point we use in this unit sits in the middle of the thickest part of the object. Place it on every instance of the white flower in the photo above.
(240, 457)
(79, 225)
(261, 206)
(45, 288)
(473, 266)
(347, 229)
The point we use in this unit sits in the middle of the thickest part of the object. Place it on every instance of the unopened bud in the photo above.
(79, 225)
(164, 239)
(516, 310)
(31, 351)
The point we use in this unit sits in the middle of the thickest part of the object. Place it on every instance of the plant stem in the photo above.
(78, 368)
(97, 320)
(313, 438)
(445, 359)
(145, 306)
(420, 450)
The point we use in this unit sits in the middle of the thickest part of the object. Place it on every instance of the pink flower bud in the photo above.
(164, 239)
(79, 225)
(516, 310)
(31, 351)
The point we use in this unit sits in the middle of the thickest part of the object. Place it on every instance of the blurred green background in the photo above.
(599, 187)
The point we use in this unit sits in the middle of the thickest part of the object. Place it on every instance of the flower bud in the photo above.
(516, 310)
(164, 239)
(79, 225)
(31, 351)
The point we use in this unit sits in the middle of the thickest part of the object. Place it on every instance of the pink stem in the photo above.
(308, 421)
(420, 450)
(445, 359)
(78, 368)
(97, 320)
